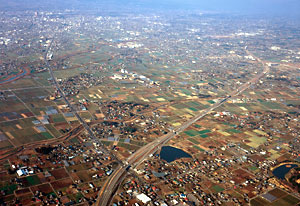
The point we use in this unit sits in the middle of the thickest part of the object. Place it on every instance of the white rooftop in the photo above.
(144, 198)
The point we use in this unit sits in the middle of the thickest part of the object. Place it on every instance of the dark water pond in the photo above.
(282, 170)
(170, 154)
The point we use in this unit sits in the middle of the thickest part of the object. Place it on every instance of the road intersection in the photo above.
(111, 185)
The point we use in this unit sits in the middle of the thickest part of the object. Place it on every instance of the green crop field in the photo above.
(47, 135)
(203, 135)
(53, 130)
(9, 188)
(198, 148)
(128, 146)
(33, 180)
(217, 188)
(233, 131)
(58, 118)
(191, 133)
(193, 109)
(193, 141)
(272, 105)
(179, 106)
(204, 131)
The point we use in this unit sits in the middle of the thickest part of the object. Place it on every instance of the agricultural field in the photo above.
(26, 117)
(275, 197)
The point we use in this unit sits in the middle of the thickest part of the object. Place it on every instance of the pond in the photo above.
(282, 170)
(170, 154)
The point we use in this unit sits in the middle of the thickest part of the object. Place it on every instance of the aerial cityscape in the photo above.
(104, 104)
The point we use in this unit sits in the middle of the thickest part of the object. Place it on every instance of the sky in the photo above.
(280, 7)
(273, 7)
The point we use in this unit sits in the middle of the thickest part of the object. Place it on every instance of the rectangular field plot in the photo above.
(191, 133)
(28, 135)
(272, 105)
(11, 104)
(5, 144)
(193, 141)
(256, 141)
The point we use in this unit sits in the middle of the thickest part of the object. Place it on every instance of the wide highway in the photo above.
(111, 185)
(118, 175)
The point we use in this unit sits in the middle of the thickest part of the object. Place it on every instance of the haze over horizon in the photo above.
(254, 7)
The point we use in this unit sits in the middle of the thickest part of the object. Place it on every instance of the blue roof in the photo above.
(41, 128)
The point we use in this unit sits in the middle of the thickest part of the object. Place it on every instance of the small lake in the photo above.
(170, 154)
(282, 170)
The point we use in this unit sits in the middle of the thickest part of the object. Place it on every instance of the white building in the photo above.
(144, 198)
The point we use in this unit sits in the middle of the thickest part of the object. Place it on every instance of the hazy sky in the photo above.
(248, 6)
(279, 7)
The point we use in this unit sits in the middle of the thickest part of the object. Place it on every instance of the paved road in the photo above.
(111, 185)
(73, 110)
(117, 175)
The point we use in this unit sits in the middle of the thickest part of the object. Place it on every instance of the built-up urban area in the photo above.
(148, 108)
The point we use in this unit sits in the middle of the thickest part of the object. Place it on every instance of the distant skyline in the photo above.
(272, 7)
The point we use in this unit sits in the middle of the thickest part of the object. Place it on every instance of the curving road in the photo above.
(111, 185)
